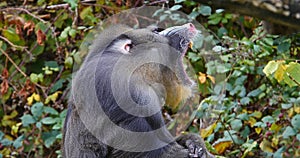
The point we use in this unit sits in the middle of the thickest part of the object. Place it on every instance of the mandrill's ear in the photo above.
(122, 44)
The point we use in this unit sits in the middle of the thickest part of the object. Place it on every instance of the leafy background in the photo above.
(39, 42)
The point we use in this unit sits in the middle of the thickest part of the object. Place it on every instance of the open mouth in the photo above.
(180, 38)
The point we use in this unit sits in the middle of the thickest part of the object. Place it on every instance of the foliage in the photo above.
(259, 103)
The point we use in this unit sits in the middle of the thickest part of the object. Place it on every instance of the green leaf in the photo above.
(245, 133)
(6, 142)
(271, 67)
(51, 64)
(296, 121)
(298, 136)
(77, 58)
(69, 62)
(286, 106)
(37, 109)
(256, 48)
(254, 93)
(39, 125)
(63, 114)
(193, 56)
(38, 49)
(42, 26)
(289, 131)
(12, 36)
(256, 114)
(72, 33)
(87, 11)
(73, 3)
(245, 101)
(218, 11)
(59, 126)
(279, 152)
(243, 116)
(1, 135)
(59, 136)
(49, 137)
(268, 41)
(19, 141)
(240, 80)
(34, 78)
(222, 31)
(57, 85)
(193, 14)
(176, 7)
(205, 10)
(293, 70)
(27, 120)
(236, 124)
(284, 47)
(269, 119)
(50, 110)
(215, 21)
(48, 120)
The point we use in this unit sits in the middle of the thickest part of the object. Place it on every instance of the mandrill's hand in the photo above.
(195, 146)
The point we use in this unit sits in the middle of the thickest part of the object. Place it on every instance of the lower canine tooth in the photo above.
(191, 44)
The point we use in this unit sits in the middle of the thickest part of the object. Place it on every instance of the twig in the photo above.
(15, 65)
(75, 18)
(26, 11)
(18, 68)
(58, 6)
(66, 91)
(16, 46)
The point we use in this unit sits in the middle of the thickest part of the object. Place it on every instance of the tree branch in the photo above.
(245, 7)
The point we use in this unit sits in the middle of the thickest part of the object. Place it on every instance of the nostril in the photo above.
(191, 25)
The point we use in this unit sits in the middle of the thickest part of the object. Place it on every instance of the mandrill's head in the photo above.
(148, 63)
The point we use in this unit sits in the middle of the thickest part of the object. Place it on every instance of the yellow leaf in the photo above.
(297, 109)
(275, 142)
(52, 97)
(252, 121)
(6, 151)
(280, 72)
(291, 112)
(222, 146)
(15, 128)
(36, 97)
(257, 114)
(275, 127)
(10, 116)
(258, 130)
(212, 79)
(265, 145)
(202, 77)
(208, 130)
(30, 100)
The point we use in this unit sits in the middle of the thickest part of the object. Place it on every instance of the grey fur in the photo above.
(146, 94)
